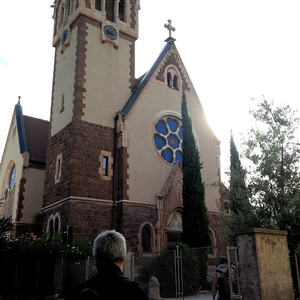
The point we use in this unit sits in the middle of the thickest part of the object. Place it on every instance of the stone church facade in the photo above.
(114, 148)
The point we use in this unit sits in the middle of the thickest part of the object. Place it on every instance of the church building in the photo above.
(114, 149)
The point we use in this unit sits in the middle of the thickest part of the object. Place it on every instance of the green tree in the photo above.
(274, 152)
(241, 210)
(194, 214)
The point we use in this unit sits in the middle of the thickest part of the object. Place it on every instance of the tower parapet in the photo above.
(123, 14)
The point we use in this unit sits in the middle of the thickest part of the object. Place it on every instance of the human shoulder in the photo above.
(134, 289)
(86, 290)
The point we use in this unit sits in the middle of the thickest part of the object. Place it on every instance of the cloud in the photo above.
(3, 62)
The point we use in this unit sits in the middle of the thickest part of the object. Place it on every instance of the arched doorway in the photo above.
(174, 227)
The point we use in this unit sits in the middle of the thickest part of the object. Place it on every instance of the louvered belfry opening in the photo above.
(110, 10)
(98, 4)
(122, 10)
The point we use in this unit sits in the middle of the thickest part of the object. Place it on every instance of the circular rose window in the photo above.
(167, 137)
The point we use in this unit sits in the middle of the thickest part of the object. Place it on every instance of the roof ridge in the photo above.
(169, 180)
(25, 116)
(136, 92)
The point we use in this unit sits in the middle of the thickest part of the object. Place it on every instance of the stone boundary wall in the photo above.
(265, 271)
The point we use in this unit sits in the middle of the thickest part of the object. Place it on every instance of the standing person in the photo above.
(109, 282)
(221, 281)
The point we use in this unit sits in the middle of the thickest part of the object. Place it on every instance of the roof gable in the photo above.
(168, 56)
(169, 182)
(33, 135)
(173, 59)
(134, 96)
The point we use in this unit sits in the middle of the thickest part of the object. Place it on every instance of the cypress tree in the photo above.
(194, 216)
(238, 191)
(241, 210)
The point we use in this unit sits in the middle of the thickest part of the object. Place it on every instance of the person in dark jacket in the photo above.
(221, 281)
(109, 282)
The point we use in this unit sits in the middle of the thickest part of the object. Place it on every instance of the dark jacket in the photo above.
(110, 283)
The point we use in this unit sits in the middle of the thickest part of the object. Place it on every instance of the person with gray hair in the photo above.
(110, 252)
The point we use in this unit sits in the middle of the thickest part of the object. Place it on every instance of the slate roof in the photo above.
(37, 131)
(134, 96)
(33, 136)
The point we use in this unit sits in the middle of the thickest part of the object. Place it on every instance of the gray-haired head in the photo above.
(110, 247)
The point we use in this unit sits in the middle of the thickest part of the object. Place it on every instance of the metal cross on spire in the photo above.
(170, 29)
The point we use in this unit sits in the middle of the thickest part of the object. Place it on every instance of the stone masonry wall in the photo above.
(132, 218)
(87, 218)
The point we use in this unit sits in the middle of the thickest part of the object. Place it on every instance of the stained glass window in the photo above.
(173, 124)
(12, 177)
(168, 138)
(179, 156)
(167, 155)
(161, 127)
(160, 142)
(173, 141)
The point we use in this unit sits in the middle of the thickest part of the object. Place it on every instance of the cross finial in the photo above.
(170, 29)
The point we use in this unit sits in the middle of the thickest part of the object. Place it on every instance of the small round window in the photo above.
(168, 138)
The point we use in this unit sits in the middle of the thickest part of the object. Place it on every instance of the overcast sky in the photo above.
(233, 50)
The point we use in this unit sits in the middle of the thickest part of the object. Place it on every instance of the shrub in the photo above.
(162, 267)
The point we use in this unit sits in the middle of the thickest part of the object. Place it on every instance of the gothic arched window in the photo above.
(68, 9)
(12, 177)
(122, 10)
(56, 225)
(175, 82)
(110, 10)
(9, 182)
(51, 228)
(172, 77)
(61, 15)
(98, 4)
(147, 239)
(211, 243)
(169, 79)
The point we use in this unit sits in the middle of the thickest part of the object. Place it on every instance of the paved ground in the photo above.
(201, 296)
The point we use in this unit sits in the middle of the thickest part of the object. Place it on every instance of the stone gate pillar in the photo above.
(264, 265)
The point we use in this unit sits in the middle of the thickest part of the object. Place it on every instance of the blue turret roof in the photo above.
(21, 128)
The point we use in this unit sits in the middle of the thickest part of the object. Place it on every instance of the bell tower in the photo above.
(95, 53)
(94, 74)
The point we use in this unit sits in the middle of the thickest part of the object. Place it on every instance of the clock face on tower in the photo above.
(110, 32)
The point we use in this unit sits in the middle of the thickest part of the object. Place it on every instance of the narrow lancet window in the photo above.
(146, 239)
(175, 82)
(122, 11)
(105, 166)
(98, 5)
(169, 79)
(110, 10)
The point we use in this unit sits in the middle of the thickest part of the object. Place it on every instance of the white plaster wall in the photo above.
(64, 80)
(34, 191)
(147, 170)
(11, 155)
(107, 78)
